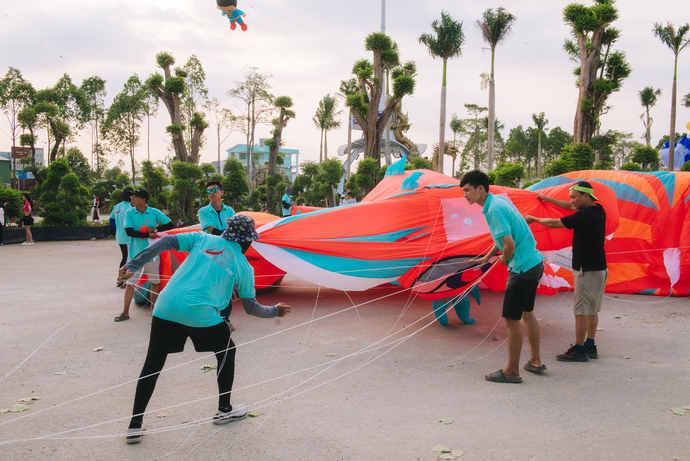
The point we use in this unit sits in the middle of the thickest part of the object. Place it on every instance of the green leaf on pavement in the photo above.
(678, 411)
(254, 414)
(446, 421)
(441, 449)
(457, 453)
(19, 407)
(331, 354)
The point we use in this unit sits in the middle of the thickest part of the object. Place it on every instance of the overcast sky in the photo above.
(309, 46)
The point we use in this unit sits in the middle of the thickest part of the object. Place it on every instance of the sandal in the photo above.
(499, 377)
(529, 367)
(121, 318)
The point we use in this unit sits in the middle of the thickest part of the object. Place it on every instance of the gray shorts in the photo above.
(589, 291)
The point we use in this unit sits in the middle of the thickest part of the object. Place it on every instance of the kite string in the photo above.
(299, 357)
(37, 349)
(192, 361)
(400, 341)
(52, 436)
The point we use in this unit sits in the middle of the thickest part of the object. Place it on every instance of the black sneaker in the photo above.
(592, 352)
(224, 417)
(573, 355)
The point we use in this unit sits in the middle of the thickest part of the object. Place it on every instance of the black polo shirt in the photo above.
(589, 235)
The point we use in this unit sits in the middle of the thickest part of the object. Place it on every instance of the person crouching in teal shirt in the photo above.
(513, 238)
(189, 308)
(213, 218)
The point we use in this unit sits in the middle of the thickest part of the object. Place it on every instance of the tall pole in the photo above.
(387, 151)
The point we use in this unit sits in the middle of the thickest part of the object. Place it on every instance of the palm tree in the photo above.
(540, 121)
(445, 45)
(495, 27)
(324, 119)
(348, 87)
(648, 99)
(676, 40)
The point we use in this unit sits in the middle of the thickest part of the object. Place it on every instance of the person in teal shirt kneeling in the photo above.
(189, 308)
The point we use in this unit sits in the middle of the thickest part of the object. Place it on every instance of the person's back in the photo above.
(504, 219)
(198, 290)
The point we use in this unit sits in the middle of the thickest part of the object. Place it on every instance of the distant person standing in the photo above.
(589, 264)
(349, 198)
(118, 215)
(27, 220)
(94, 208)
(2, 221)
(287, 205)
(213, 218)
(141, 224)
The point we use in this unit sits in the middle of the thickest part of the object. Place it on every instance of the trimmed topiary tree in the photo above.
(63, 199)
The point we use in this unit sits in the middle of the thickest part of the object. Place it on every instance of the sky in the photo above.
(309, 46)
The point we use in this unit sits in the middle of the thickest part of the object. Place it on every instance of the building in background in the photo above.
(15, 167)
(289, 168)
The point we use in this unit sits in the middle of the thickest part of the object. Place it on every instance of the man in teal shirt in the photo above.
(118, 216)
(214, 215)
(189, 307)
(287, 206)
(513, 238)
(141, 224)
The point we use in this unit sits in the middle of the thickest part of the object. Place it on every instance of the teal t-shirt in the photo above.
(203, 284)
(151, 217)
(208, 216)
(504, 219)
(286, 211)
(118, 214)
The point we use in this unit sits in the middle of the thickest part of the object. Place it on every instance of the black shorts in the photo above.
(521, 290)
(28, 221)
(170, 337)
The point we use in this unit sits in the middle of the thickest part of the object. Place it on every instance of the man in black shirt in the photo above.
(589, 264)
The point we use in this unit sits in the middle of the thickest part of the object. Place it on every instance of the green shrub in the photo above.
(630, 166)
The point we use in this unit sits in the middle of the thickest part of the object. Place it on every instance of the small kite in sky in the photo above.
(229, 9)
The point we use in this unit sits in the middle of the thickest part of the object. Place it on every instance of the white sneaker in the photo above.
(135, 435)
(238, 412)
(26, 243)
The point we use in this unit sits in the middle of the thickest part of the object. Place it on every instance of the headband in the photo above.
(586, 190)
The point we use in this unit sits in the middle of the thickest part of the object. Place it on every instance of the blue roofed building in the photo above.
(290, 167)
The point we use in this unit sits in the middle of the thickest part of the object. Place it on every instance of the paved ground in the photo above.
(396, 373)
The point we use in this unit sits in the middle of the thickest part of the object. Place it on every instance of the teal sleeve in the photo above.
(162, 218)
(245, 287)
(187, 240)
(128, 219)
(204, 219)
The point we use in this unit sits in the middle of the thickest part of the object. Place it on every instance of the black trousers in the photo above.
(123, 250)
(169, 337)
